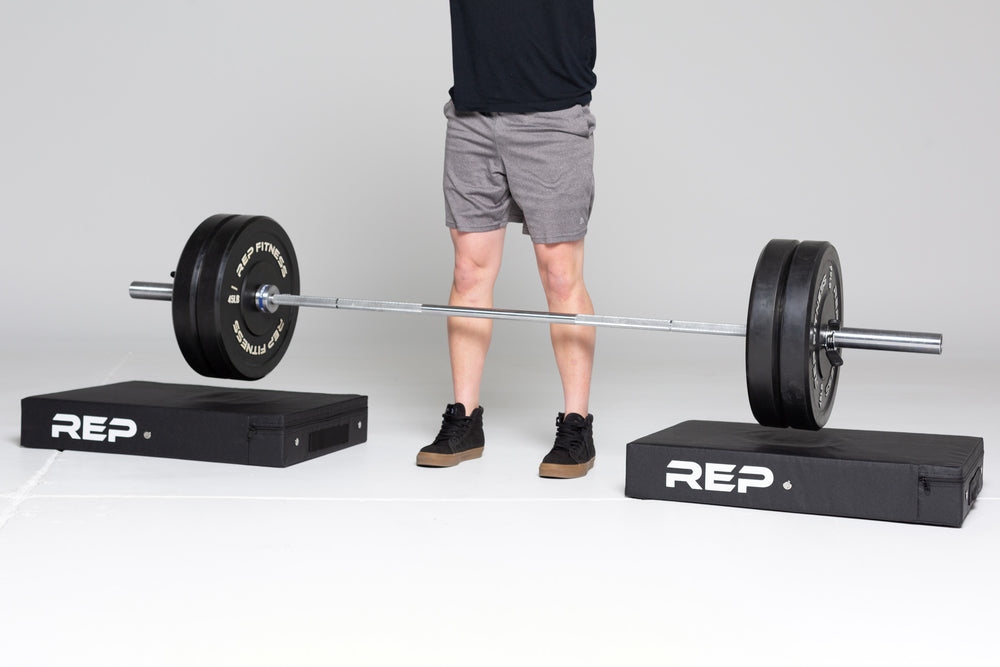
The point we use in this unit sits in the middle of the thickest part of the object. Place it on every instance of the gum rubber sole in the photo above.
(565, 471)
(431, 460)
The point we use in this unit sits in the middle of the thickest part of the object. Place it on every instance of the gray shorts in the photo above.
(532, 168)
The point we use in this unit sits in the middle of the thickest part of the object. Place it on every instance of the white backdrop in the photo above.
(721, 124)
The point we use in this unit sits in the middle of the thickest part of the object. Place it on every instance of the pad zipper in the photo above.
(925, 482)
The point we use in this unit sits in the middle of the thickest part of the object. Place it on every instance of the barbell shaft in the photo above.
(496, 314)
(866, 339)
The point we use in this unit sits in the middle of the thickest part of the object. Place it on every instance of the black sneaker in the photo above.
(460, 439)
(573, 453)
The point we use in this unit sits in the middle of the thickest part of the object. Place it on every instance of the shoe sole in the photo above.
(557, 471)
(431, 460)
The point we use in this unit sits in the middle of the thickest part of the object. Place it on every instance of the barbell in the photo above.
(235, 299)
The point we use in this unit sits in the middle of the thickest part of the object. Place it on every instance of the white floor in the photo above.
(361, 558)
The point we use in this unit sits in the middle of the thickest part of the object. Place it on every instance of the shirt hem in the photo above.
(520, 107)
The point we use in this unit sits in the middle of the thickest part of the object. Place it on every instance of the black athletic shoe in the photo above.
(573, 453)
(460, 439)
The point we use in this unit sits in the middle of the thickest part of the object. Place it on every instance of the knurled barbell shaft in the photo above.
(496, 314)
(866, 339)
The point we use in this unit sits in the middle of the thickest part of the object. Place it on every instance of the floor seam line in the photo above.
(19, 496)
(105, 496)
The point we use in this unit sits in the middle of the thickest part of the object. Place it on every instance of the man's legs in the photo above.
(477, 263)
(560, 266)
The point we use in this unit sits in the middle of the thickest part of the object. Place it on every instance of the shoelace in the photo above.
(570, 436)
(451, 427)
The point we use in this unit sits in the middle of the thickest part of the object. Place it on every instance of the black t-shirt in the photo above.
(522, 55)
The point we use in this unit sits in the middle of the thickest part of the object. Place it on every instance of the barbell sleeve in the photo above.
(879, 339)
(152, 291)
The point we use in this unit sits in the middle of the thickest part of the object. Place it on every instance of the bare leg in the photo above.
(477, 263)
(560, 266)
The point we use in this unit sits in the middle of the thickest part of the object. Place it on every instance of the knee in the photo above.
(472, 276)
(561, 283)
